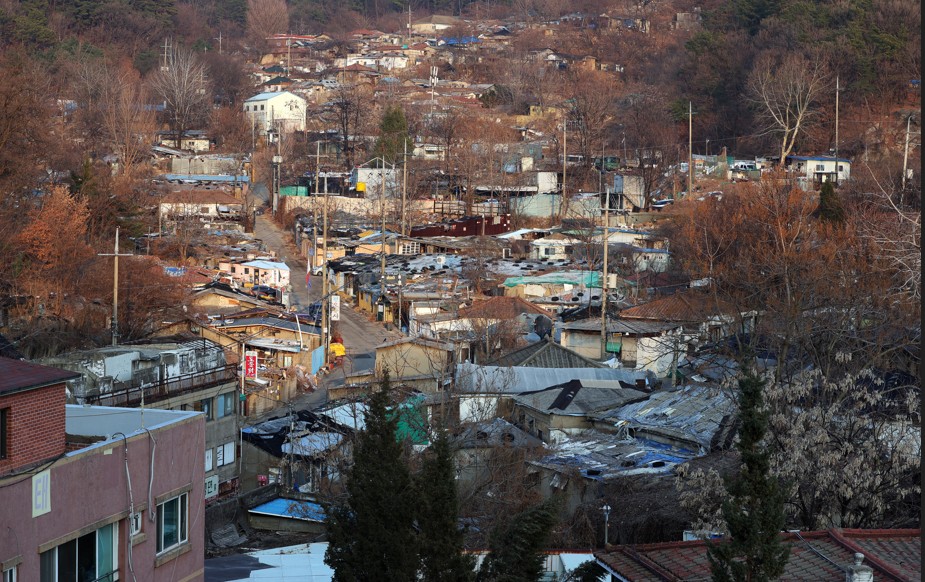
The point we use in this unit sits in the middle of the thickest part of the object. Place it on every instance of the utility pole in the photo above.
(690, 148)
(837, 91)
(905, 154)
(115, 288)
(404, 180)
(564, 160)
(382, 238)
(604, 278)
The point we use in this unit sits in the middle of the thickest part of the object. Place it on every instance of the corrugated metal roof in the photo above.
(476, 379)
(575, 398)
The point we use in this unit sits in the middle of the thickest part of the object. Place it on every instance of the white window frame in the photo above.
(210, 461)
(182, 503)
(111, 576)
(225, 454)
(135, 523)
(9, 575)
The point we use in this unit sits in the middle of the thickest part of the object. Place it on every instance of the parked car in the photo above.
(660, 204)
(264, 292)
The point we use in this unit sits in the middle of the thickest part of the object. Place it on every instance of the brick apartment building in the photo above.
(92, 492)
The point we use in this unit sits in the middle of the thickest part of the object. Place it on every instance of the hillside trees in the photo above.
(829, 300)
(181, 85)
(266, 18)
(786, 92)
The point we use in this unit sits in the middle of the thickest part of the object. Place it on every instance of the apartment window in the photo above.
(224, 455)
(224, 405)
(172, 523)
(9, 575)
(208, 460)
(4, 429)
(820, 167)
(261, 107)
(247, 271)
(135, 523)
(93, 556)
(204, 406)
(549, 251)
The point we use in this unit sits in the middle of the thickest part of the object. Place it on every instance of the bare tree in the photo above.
(350, 110)
(785, 92)
(181, 84)
(127, 124)
(265, 18)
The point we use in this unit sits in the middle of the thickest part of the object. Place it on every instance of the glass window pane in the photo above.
(47, 566)
(171, 523)
(86, 558)
(67, 562)
(183, 532)
(104, 551)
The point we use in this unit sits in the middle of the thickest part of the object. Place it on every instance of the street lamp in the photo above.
(606, 509)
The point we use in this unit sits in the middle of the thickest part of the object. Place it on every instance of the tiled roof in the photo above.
(545, 354)
(820, 555)
(18, 376)
(501, 308)
(690, 306)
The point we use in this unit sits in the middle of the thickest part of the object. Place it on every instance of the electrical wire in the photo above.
(131, 506)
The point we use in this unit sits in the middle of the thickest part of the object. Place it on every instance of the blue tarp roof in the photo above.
(293, 509)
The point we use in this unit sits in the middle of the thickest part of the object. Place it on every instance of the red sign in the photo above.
(250, 364)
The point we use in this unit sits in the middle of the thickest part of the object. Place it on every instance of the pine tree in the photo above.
(441, 540)
(830, 208)
(755, 511)
(515, 550)
(393, 134)
(371, 536)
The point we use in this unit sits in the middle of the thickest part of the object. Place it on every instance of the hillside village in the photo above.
(483, 219)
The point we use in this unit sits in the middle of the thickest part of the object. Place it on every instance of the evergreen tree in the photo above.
(371, 535)
(393, 135)
(515, 550)
(441, 540)
(830, 208)
(755, 511)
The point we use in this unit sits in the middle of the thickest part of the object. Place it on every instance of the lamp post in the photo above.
(606, 509)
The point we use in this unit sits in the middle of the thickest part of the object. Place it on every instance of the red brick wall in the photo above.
(35, 426)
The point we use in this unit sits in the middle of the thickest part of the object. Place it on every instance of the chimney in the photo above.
(858, 572)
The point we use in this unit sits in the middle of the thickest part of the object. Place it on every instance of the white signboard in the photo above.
(211, 486)
(335, 308)
(41, 493)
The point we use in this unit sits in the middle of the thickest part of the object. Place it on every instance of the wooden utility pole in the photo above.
(604, 278)
(114, 325)
(404, 180)
(905, 154)
(836, 129)
(382, 238)
(690, 148)
(562, 204)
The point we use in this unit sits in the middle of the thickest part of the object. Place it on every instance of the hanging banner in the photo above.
(335, 308)
(250, 364)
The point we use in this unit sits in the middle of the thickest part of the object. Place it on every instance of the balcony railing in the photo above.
(124, 394)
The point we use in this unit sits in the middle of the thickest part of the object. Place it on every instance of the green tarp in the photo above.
(580, 278)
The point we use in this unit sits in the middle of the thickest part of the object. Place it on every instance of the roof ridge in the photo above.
(650, 564)
(836, 534)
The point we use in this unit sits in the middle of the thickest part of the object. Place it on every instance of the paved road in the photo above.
(361, 336)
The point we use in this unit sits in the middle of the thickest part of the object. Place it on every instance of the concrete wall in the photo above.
(88, 489)
(410, 360)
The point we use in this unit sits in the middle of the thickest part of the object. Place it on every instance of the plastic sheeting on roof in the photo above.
(585, 278)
